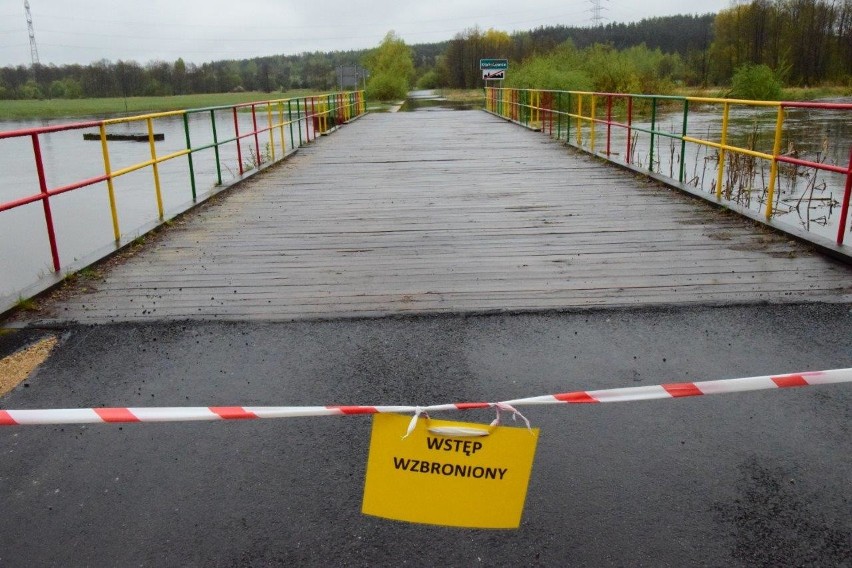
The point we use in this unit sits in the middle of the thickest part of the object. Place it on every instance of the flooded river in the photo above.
(83, 222)
(82, 217)
(804, 198)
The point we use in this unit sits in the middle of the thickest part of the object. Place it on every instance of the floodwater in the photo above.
(805, 198)
(83, 221)
(431, 100)
(82, 217)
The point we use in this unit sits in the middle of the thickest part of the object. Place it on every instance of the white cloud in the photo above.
(212, 30)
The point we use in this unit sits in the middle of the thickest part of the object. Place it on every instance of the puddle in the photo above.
(438, 103)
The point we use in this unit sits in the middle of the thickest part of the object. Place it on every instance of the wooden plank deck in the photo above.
(449, 211)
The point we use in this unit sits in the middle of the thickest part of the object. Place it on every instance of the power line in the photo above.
(33, 47)
(597, 13)
(229, 26)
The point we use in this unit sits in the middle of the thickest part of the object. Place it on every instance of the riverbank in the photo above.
(787, 94)
(71, 108)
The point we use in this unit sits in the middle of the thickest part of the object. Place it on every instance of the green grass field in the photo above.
(74, 108)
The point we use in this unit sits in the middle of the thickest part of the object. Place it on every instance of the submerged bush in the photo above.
(429, 80)
(391, 68)
(387, 87)
(756, 82)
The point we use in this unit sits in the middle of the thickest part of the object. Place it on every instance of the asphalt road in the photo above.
(754, 479)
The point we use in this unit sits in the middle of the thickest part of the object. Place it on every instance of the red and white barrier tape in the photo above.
(176, 414)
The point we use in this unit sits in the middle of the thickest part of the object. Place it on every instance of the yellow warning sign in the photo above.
(439, 476)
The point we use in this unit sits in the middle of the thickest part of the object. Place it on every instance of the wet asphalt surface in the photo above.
(754, 479)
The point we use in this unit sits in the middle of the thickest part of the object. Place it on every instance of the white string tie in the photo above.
(413, 424)
(515, 414)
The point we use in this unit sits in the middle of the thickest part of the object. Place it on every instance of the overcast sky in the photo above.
(82, 31)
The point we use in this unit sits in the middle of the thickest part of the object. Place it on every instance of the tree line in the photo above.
(805, 42)
(686, 36)
(105, 78)
(802, 42)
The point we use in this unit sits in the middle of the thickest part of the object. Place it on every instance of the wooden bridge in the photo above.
(448, 211)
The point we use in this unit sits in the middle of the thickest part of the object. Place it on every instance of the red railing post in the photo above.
(237, 136)
(629, 126)
(844, 208)
(550, 111)
(45, 201)
(608, 123)
(256, 139)
(308, 120)
(516, 114)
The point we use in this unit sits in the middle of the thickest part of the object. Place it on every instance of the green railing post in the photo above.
(559, 115)
(682, 174)
(299, 121)
(653, 133)
(216, 146)
(189, 155)
(290, 120)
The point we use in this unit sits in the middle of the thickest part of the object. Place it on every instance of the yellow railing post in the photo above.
(110, 188)
(773, 169)
(324, 114)
(155, 167)
(271, 130)
(723, 143)
(536, 100)
(592, 126)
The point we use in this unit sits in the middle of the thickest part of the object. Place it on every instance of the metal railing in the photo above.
(303, 118)
(582, 118)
